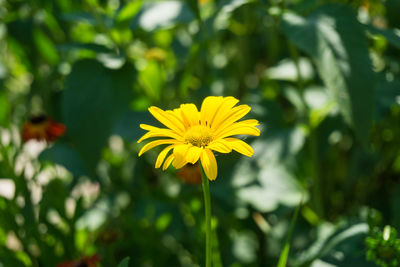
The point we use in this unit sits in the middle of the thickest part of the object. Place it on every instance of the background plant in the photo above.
(322, 78)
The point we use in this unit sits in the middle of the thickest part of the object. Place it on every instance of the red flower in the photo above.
(91, 261)
(42, 128)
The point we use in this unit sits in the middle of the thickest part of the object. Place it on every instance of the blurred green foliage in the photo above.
(384, 247)
(322, 77)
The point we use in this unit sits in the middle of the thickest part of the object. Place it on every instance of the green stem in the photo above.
(207, 207)
(317, 197)
(316, 193)
(295, 57)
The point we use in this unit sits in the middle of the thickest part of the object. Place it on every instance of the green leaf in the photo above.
(152, 79)
(286, 248)
(347, 238)
(129, 10)
(66, 156)
(336, 41)
(12, 258)
(95, 98)
(124, 262)
(80, 16)
(391, 35)
(275, 186)
(84, 46)
(4, 108)
(244, 246)
(54, 196)
(388, 95)
(128, 126)
(162, 14)
(226, 10)
(286, 70)
(194, 5)
(45, 46)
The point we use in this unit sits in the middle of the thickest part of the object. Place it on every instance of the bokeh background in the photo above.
(322, 77)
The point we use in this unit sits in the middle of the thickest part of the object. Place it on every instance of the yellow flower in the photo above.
(193, 135)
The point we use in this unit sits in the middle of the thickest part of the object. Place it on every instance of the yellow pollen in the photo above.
(199, 135)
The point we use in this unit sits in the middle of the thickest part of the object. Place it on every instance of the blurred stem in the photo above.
(316, 183)
(294, 53)
(316, 193)
(216, 256)
(207, 207)
(97, 15)
(283, 5)
(286, 248)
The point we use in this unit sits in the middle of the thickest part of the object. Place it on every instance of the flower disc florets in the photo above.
(199, 136)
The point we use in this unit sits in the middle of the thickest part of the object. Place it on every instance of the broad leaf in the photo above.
(335, 40)
(66, 156)
(95, 98)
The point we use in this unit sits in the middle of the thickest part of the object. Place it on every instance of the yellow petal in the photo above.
(220, 145)
(223, 110)
(251, 122)
(168, 162)
(152, 144)
(209, 164)
(208, 108)
(166, 119)
(161, 133)
(242, 127)
(232, 116)
(148, 127)
(180, 152)
(190, 114)
(242, 130)
(226, 105)
(176, 113)
(240, 146)
(162, 155)
(193, 154)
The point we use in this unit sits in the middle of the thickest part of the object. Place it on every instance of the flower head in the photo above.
(193, 135)
(42, 128)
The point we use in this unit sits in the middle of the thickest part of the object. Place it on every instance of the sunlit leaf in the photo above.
(338, 245)
(391, 35)
(225, 12)
(335, 40)
(286, 70)
(129, 10)
(245, 246)
(156, 15)
(276, 186)
(45, 46)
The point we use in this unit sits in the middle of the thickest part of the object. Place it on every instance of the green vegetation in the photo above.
(322, 77)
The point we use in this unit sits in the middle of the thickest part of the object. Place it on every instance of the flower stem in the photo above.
(207, 207)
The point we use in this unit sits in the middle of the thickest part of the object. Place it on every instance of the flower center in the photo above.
(199, 135)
